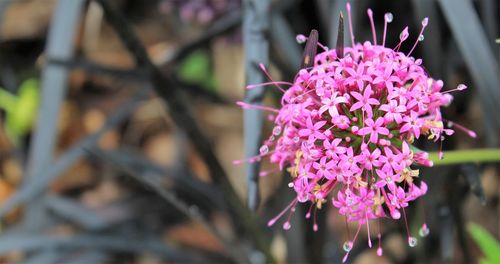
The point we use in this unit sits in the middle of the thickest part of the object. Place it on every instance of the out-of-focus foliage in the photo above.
(20, 109)
(488, 244)
(196, 69)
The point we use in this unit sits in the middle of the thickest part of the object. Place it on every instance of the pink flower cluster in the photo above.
(345, 129)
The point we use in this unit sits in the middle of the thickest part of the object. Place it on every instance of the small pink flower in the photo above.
(357, 76)
(333, 149)
(385, 78)
(324, 168)
(393, 111)
(413, 123)
(390, 160)
(374, 129)
(331, 103)
(370, 159)
(364, 101)
(312, 130)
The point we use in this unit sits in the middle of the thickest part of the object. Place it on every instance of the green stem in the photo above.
(466, 156)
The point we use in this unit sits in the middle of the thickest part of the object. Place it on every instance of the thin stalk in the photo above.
(466, 156)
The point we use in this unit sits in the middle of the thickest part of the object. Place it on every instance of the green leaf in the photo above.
(7, 100)
(196, 69)
(497, 41)
(21, 117)
(486, 242)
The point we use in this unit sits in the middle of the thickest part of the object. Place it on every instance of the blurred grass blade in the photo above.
(446, 236)
(44, 177)
(44, 257)
(473, 177)
(54, 77)
(479, 58)
(256, 24)
(59, 45)
(115, 243)
(76, 213)
(486, 242)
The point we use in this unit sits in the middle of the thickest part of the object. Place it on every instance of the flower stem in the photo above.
(466, 156)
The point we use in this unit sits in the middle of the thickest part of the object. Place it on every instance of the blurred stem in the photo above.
(7, 100)
(466, 156)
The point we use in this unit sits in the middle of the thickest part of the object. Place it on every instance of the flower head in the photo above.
(349, 122)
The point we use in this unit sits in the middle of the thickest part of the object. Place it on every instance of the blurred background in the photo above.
(118, 128)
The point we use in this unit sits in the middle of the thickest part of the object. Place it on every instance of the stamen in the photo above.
(460, 87)
(471, 133)
(379, 249)
(347, 228)
(402, 37)
(387, 19)
(368, 231)
(263, 68)
(350, 244)
(252, 159)
(265, 173)
(287, 225)
(412, 241)
(420, 36)
(273, 221)
(315, 225)
(348, 7)
(302, 39)
(259, 107)
(253, 86)
(374, 33)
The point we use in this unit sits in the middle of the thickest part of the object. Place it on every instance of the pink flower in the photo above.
(333, 149)
(357, 76)
(364, 101)
(393, 111)
(331, 103)
(324, 168)
(385, 78)
(370, 159)
(312, 130)
(341, 121)
(391, 161)
(413, 123)
(349, 162)
(378, 100)
(397, 197)
(374, 129)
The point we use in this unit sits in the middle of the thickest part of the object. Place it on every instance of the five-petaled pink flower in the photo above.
(374, 128)
(365, 101)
